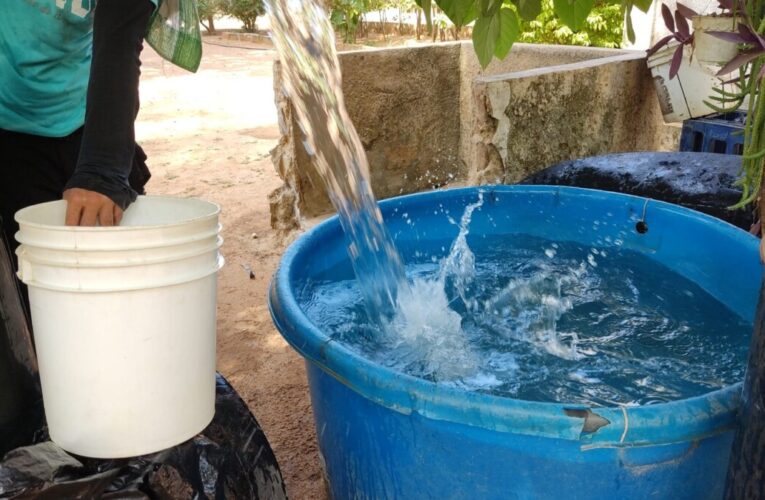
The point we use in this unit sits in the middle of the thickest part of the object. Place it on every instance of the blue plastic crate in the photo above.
(722, 133)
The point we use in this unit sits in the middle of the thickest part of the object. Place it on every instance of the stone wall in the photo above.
(527, 120)
(430, 116)
(404, 105)
(484, 164)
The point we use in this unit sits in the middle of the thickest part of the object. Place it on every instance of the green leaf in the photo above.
(573, 13)
(485, 34)
(337, 18)
(628, 23)
(461, 12)
(528, 9)
(488, 8)
(426, 6)
(509, 31)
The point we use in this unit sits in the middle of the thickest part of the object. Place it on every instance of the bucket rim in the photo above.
(114, 229)
(23, 253)
(686, 419)
(82, 247)
(663, 56)
(220, 261)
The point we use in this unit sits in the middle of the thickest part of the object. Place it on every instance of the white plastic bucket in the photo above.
(683, 96)
(124, 323)
(708, 48)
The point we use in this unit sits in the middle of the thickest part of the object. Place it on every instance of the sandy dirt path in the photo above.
(208, 135)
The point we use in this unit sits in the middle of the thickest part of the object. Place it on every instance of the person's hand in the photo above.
(86, 208)
(762, 250)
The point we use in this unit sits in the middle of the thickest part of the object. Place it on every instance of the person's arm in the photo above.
(99, 190)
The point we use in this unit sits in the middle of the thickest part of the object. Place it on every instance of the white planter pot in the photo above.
(709, 49)
(682, 97)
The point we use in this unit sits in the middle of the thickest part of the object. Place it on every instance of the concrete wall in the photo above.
(430, 116)
(481, 165)
(404, 105)
(527, 120)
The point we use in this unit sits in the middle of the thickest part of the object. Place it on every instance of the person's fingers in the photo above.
(73, 213)
(87, 208)
(106, 215)
(89, 215)
(117, 215)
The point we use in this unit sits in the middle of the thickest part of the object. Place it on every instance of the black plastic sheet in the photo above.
(701, 181)
(231, 458)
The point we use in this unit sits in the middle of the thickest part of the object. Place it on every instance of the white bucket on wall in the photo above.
(124, 323)
(709, 49)
(683, 96)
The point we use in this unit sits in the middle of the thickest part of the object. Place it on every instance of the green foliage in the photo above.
(427, 8)
(601, 28)
(460, 13)
(510, 28)
(246, 11)
(528, 9)
(495, 30)
(570, 22)
(573, 13)
(500, 23)
(346, 16)
(209, 8)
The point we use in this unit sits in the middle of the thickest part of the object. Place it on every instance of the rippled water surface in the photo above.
(546, 321)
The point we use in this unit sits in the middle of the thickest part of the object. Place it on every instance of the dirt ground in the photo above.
(208, 135)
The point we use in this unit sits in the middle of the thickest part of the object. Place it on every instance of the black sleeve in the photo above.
(108, 141)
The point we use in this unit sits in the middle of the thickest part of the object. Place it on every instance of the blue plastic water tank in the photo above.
(387, 435)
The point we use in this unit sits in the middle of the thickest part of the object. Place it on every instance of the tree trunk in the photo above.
(400, 22)
(383, 19)
(210, 25)
(417, 26)
(746, 469)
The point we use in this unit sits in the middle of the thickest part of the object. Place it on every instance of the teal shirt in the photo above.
(45, 52)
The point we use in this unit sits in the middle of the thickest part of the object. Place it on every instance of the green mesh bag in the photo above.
(174, 33)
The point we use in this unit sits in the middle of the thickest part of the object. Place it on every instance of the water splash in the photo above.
(426, 325)
(305, 41)
(529, 308)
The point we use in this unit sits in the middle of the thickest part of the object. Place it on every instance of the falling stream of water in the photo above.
(305, 41)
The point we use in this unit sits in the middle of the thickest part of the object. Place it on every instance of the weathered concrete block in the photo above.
(404, 112)
(544, 116)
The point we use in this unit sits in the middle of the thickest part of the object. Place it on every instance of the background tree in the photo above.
(346, 17)
(601, 28)
(208, 9)
(246, 11)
